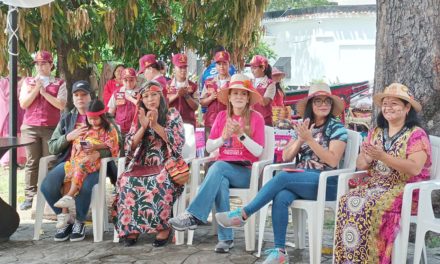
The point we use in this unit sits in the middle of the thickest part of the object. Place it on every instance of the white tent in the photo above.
(26, 3)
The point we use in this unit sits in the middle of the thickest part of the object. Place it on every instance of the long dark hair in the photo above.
(308, 113)
(268, 71)
(411, 119)
(97, 105)
(114, 70)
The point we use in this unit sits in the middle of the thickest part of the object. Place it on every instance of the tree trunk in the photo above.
(408, 52)
(70, 78)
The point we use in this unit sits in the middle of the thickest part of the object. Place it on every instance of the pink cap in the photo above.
(222, 56)
(43, 55)
(128, 73)
(180, 60)
(258, 60)
(145, 61)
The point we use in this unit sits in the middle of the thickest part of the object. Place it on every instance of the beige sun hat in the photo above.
(239, 81)
(321, 89)
(397, 90)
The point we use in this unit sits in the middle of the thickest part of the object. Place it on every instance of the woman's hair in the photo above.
(161, 65)
(268, 71)
(114, 70)
(163, 108)
(308, 113)
(411, 119)
(278, 88)
(246, 114)
(155, 66)
(97, 105)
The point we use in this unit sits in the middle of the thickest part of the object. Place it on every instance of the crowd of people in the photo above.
(143, 121)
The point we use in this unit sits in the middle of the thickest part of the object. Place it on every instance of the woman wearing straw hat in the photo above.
(239, 135)
(396, 152)
(320, 141)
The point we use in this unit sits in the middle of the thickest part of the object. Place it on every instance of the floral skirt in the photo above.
(144, 204)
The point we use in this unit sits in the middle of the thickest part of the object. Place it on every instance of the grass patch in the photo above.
(4, 184)
(433, 241)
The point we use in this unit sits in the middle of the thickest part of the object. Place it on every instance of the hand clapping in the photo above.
(303, 131)
(373, 151)
(143, 119)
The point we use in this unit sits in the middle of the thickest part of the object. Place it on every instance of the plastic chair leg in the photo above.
(261, 227)
(41, 201)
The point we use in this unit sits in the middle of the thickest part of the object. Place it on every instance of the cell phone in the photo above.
(84, 144)
(293, 170)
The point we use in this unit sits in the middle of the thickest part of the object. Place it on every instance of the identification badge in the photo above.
(120, 98)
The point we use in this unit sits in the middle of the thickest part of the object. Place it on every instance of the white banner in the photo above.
(26, 3)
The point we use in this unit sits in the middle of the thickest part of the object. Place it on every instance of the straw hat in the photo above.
(239, 81)
(321, 89)
(399, 91)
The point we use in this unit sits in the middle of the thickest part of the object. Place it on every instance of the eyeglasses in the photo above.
(320, 101)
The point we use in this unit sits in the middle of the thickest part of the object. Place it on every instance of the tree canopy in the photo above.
(81, 32)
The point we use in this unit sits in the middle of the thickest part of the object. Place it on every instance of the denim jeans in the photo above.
(283, 189)
(215, 189)
(52, 185)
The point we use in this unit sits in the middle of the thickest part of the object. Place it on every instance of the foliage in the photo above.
(262, 49)
(276, 5)
(83, 32)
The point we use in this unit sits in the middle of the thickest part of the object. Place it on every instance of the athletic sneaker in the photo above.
(63, 233)
(65, 202)
(224, 246)
(276, 256)
(230, 219)
(63, 220)
(184, 221)
(78, 231)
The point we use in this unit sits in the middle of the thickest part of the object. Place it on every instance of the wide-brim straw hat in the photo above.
(239, 81)
(321, 89)
(399, 91)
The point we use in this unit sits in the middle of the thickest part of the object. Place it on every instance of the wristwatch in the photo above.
(242, 137)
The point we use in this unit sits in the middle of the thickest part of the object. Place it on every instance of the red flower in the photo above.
(165, 214)
(125, 220)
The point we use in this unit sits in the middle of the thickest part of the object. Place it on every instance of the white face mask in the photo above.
(181, 84)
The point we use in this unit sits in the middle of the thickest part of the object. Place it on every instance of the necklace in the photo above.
(389, 141)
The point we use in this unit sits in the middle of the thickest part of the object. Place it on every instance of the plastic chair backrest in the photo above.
(435, 148)
(189, 148)
(269, 143)
(351, 150)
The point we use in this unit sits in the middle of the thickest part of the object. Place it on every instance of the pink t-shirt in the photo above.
(233, 149)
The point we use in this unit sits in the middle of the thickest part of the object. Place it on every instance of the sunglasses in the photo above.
(320, 101)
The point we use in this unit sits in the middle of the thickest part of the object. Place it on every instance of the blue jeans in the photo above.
(283, 189)
(52, 185)
(215, 189)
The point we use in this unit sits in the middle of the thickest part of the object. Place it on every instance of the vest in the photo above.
(215, 106)
(187, 113)
(124, 113)
(41, 112)
(265, 111)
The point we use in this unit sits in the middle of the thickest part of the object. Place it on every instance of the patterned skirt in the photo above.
(144, 204)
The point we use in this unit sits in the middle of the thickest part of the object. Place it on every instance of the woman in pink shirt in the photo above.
(238, 134)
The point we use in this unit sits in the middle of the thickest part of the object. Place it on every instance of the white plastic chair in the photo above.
(188, 154)
(245, 194)
(400, 247)
(98, 202)
(313, 208)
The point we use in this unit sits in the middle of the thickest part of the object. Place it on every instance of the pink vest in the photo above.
(215, 106)
(124, 113)
(41, 112)
(187, 113)
(265, 111)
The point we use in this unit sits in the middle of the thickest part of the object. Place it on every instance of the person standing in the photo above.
(262, 72)
(115, 83)
(150, 68)
(182, 93)
(42, 97)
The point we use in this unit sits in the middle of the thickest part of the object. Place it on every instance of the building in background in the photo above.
(335, 44)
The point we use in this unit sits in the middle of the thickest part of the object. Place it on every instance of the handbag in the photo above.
(143, 171)
(178, 170)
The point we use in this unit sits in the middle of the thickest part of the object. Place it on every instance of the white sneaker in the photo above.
(65, 202)
(276, 256)
(63, 220)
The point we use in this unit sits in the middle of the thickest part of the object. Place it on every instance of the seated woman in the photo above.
(320, 141)
(238, 133)
(143, 203)
(396, 152)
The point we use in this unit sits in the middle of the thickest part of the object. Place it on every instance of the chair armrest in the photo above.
(43, 167)
(257, 169)
(322, 185)
(269, 169)
(195, 173)
(103, 169)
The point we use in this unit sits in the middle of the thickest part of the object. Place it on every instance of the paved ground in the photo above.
(22, 249)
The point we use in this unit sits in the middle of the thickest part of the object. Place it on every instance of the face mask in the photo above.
(45, 80)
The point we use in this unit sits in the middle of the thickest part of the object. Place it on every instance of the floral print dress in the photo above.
(369, 215)
(144, 204)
